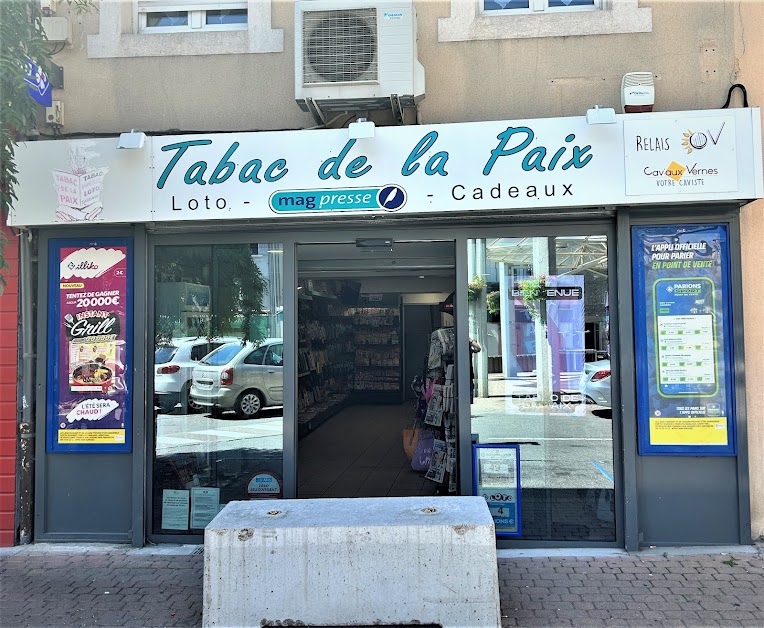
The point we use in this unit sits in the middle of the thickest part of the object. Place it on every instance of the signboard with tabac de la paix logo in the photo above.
(680, 156)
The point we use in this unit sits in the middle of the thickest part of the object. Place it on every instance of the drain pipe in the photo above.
(26, 425)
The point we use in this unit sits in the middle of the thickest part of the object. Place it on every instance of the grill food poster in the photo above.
(90, 335)
(683, 342)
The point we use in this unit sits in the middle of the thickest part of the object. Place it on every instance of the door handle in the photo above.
(271, 371)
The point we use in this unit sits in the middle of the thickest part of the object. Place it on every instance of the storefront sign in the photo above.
(414, 169)
(89, 346)
(264, 485)
(680, 156)
(683, 341)
(496, 477)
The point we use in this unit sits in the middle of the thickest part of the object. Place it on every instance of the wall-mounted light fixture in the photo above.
(600, 115)
(133, 139)
(361, 129)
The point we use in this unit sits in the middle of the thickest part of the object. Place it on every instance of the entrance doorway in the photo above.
(374, 320)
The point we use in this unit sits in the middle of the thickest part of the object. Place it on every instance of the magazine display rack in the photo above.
(324, 356)
(377, 354)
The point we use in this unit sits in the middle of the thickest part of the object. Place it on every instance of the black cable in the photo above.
(729, 95)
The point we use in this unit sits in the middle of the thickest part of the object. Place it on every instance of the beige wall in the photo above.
(696, 50)
(750, 55)
(691, 51)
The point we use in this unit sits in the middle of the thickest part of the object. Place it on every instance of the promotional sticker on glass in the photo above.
(683, 341)
(496, 478)
(89, 346)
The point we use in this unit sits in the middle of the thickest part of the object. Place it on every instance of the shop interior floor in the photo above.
(359, 453)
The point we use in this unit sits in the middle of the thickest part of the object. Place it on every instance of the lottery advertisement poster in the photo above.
(685, 402)
(496, 478)
(90, 346)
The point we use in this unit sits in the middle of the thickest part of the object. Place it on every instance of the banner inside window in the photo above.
(90, 346)
(685, 400)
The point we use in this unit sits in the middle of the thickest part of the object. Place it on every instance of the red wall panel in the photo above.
(9, 323)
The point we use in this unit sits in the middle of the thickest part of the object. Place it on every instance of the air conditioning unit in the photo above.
(352, 55)
(637, 92)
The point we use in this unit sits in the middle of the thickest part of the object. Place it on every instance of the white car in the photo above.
(595, 383)
(174, 362)
(241, 377)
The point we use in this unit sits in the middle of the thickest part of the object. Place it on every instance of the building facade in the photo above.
(522, 229)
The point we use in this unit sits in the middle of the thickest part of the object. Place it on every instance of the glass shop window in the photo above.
(218, 426)
(539, 309)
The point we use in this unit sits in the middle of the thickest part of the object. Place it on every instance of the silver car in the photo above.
(242, 377)
(174, 362)
(595, 383)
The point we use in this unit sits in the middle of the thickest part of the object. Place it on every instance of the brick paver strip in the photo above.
(97, 586)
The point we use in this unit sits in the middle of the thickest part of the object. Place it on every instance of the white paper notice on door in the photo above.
(205, 504)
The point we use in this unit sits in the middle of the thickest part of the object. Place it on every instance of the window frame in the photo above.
(540, 6)
(253, 355)
(119, 37)
(468, 22)
(197, 16)
(272, 351)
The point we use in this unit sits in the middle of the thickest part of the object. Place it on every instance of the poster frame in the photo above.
(475, 456)
(53, 337)
(640, 345)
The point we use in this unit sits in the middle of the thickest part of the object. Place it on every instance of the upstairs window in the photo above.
(508, 7)
(158, 28)
(474, 20)
(165, 17)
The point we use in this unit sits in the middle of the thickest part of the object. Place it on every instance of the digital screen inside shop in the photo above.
(685, 394)
(89, 346)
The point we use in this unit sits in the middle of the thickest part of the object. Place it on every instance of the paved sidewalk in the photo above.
(55, 585)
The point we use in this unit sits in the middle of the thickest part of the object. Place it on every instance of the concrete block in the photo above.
(386, 561)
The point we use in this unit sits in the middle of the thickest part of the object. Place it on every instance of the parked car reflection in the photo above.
(242, 377)
(594, 384)
(174, 361)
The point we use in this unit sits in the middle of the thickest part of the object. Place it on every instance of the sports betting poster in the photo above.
(685, 402)
(90, 346)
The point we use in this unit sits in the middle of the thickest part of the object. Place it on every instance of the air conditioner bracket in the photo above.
(397, 107)
(315, 111)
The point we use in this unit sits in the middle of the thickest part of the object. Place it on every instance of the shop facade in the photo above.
(580, 258)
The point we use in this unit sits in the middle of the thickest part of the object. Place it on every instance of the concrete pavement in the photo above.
(107, 585)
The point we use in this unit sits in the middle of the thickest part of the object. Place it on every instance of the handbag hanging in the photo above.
(423, 451)
(410, 440)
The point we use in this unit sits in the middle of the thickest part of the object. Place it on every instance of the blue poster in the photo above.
(685, 401)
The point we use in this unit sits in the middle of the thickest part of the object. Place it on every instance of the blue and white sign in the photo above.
(496, 478)
(685, 401)
(38, 84)
(501, 165)
(389, 198)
